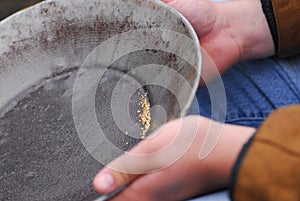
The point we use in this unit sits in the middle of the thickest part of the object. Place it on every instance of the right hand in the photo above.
(229, 32)
(156, 176)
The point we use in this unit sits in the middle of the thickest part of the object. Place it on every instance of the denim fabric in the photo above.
(219, 196)
(253, 90)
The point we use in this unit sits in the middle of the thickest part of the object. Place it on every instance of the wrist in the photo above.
(224, 156)
(246, 23)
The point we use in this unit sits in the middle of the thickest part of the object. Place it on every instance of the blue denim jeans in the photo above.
(253, 90)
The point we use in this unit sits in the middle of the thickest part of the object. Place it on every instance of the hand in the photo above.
(229, 32)
(185, 177)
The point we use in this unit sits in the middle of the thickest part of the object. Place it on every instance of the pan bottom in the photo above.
(41, 155)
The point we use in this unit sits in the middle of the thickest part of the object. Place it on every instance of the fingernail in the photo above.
(105, 182)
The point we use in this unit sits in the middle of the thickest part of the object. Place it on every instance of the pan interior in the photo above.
(42, 157)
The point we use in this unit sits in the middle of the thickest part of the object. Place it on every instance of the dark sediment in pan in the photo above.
(41, 155)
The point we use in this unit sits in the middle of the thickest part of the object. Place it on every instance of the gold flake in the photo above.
(145, 117)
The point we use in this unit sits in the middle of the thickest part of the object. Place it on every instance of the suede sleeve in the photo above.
(268, 168)
(287, 17)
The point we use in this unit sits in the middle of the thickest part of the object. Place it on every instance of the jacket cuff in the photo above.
(238, 164)
(287, 18)
(268, 166)
(269, 13)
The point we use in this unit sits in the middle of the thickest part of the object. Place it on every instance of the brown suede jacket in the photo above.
(287, 17)
(268, 168)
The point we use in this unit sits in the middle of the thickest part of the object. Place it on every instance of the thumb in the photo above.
(108, 180)
(124, 170)
(161, 149)
(138, 161)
